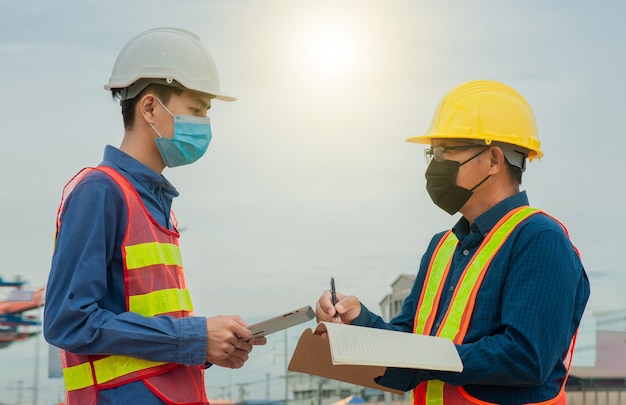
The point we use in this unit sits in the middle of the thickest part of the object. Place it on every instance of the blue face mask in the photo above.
(191, 139)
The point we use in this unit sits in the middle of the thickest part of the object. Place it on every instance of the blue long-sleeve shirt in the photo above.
(85, 311)
(527, 310)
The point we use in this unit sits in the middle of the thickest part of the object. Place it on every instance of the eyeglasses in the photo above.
(438, 152)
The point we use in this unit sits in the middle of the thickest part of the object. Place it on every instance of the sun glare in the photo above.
(330, 51)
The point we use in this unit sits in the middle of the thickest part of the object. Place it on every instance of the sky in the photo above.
(308, 174)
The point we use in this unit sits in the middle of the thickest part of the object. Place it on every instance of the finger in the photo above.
(227, 362)
(233, 340)
(235, 362)
(322, 312)
(348, 309)
(242, 332)
(228, 349)
(259, 341)
(239, 354)
(325, 310)
(237, 327)
(347, 303)
(245, 346)
(214, 355)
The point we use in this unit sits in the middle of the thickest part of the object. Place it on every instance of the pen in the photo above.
(333, 294)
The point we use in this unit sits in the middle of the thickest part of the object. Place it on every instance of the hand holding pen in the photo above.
(333, 306)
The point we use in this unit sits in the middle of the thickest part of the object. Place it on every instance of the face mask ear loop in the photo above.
(155, 130)
(164, 107)
(473, 157)
(168, 111)
(484, 180)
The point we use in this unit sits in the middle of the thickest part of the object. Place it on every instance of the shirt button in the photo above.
(465, 252)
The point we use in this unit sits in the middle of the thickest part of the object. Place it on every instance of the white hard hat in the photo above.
(165, 56)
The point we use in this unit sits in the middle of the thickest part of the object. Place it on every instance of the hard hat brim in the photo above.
(426, 139)
(131, 90)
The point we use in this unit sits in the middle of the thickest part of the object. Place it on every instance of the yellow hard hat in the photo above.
(484, 110)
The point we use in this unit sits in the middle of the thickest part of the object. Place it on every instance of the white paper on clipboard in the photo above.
(281, 322)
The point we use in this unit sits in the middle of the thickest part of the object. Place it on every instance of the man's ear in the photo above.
(145, 107)
(496, 159)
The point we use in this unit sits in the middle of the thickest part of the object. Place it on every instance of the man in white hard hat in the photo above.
(117, 303)
(505, 284)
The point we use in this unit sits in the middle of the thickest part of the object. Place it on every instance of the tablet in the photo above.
(281, 322)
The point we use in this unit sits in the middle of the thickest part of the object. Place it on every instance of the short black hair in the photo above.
(163, 92)
(515, 173)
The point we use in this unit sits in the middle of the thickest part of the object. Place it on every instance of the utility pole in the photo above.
(20, 387)
(36, 373)
(242, 393)
(319, 390)
(267, 387)
(286, 372)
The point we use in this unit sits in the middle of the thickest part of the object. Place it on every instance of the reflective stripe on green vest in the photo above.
(105, 370)
(160, 302)
(112, 367)
(466, 288)
(148, 254)
(434, 280)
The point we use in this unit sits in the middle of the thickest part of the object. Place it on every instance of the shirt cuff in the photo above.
(192, 340)
(363, 318)
(403, 379)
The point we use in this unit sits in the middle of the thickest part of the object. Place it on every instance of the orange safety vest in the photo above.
(459, 312)
(154, 285)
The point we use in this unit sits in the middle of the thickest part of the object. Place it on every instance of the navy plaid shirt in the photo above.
(527, 311)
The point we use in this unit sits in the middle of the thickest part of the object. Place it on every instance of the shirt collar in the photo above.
(488, 219)
(141, 173)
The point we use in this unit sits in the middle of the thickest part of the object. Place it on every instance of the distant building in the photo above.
(391, 304)
(598, 373)
(313, 390)
(247, 402)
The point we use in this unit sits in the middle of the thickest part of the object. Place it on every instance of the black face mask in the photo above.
(442, 188)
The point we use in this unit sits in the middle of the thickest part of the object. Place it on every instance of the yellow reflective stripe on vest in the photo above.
(106, 369)
(435, 276)
(452, 323)
(148, 254)
(160, 302)
(77, 377)
(451, 327)
(434, 392)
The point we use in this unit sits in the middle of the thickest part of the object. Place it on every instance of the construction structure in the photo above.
(17, 320)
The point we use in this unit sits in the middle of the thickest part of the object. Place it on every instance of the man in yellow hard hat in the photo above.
(505, 284)
(117, 301)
